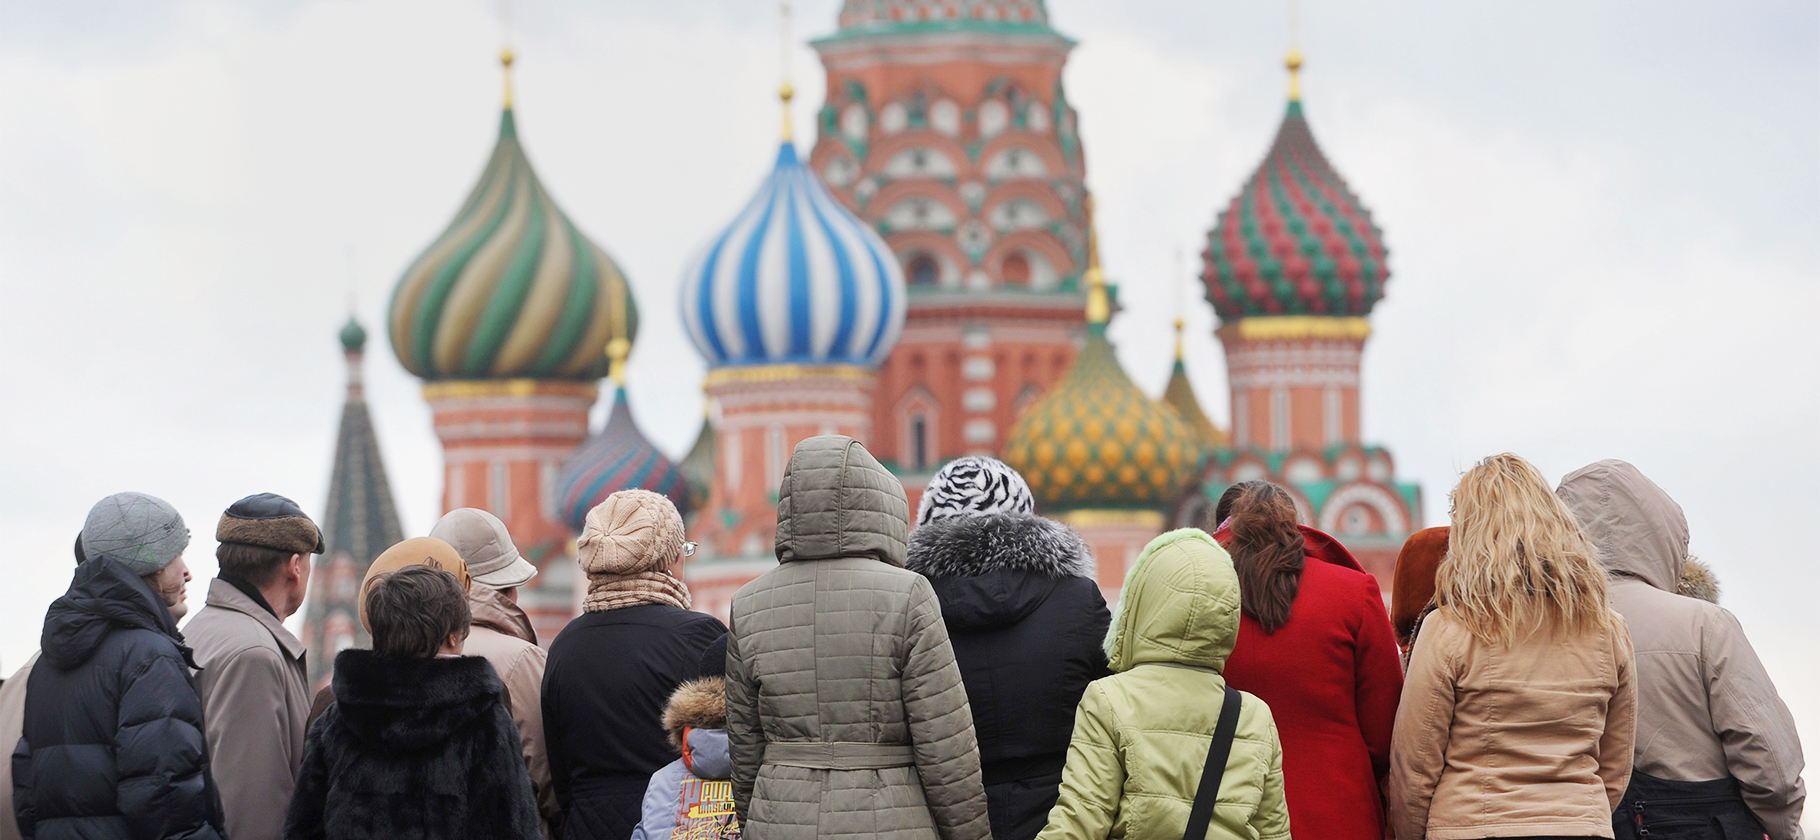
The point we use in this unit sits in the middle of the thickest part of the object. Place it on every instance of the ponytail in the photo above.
(1267, 550)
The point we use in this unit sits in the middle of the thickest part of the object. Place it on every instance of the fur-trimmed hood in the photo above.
(966, 546)
(993, 570)
(1698, 581)
(401, 705)
(696, 717)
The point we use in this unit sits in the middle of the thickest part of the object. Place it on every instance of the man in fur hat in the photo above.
(252, 681)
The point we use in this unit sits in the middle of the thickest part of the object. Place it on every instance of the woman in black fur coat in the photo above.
(1027, 623)
(419, 742)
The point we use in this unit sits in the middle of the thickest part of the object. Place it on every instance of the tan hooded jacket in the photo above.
(846, 715)
(1706, 708)
(502, 634)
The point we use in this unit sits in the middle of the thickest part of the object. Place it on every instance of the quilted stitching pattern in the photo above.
(848, 648)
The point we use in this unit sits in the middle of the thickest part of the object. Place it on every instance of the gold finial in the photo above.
(786, 91)
(617, 351)
(1099, 306)
(505, 61)
(1293, 61)
(1181, 302)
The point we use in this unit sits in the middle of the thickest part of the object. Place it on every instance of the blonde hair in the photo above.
(1517, 561)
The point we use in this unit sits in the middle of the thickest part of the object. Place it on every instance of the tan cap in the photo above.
(485, 545)
(417, 551)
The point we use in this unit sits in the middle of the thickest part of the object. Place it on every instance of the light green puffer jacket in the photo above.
(1141, 735)
(846, 715)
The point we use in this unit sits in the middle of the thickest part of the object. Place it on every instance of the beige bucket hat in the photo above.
(485, 545)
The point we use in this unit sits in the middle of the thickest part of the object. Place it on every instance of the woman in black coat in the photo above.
(611, 670)
(1027, 622)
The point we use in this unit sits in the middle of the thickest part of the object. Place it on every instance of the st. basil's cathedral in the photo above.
(926, 280)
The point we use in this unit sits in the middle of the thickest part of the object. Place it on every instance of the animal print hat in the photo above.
(973, 486)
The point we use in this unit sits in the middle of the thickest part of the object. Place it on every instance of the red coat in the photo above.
(1331, 676)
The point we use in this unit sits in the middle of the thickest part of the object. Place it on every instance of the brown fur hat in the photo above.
(269, 520)
(1698, 581)
(1413, 583)
(697, 704)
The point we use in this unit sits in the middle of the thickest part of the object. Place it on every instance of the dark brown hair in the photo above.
(254, 564)
(414, 610)
(1267, 549)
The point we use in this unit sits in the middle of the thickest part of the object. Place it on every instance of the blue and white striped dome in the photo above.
(796, 279)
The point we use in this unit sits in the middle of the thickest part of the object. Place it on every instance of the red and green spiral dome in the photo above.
(1296, 240)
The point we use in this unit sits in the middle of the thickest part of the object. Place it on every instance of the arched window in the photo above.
(923, 270)
(1015, 270)
(919, 443)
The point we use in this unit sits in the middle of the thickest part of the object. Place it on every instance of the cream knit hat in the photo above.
(632, 531)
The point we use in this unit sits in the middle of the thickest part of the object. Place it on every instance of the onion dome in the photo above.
(511, 289)
(795, 279)
(698, 465)
(1179, 395)
(1296, 240)
(618, 458)
(353, 336)
(1096, 442)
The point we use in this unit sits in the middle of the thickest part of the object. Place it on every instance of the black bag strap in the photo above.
(1217, 752)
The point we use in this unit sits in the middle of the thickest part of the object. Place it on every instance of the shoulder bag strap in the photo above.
(1217, 752)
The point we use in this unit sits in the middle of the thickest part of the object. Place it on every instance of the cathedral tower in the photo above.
(507, 317)
(947, 130)
(1293, 267)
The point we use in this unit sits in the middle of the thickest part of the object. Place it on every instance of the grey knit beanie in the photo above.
(142, 532)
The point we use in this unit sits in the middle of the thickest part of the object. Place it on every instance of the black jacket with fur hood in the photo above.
(421, 748)
(1027, 622)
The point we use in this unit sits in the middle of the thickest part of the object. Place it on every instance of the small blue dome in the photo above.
(795, 279)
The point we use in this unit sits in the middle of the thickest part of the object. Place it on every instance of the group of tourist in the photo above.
(963, 680)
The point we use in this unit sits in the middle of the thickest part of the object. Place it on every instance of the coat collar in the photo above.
(228, 597)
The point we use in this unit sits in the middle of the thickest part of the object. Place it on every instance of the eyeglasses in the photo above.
(689, 549)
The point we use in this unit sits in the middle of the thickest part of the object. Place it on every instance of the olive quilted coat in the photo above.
(1141, 735)
(845, 710)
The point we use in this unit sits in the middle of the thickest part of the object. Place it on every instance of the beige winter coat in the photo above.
(12, 726)
(255, 704)
(846, 715)
(502, 634)
(1707, 707)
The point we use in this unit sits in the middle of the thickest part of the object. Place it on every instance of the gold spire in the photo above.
(617, 351)
(787, 90)
(1181, 302)
(1293, 61)
(1099, 306)
(505, 61)
(785, 93)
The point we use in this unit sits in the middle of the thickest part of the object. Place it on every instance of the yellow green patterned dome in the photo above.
(1096, 442)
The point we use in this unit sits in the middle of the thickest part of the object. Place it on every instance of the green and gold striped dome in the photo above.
(1096, 442)
(511, 290)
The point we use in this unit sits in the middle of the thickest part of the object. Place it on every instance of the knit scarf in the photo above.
(611, 591)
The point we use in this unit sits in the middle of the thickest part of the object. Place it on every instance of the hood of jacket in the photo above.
(492, 609)
(696, 717)
(992, 570)
(705, 754)
(103, 597)
(400, 705)
(1180, 605)
(837, 501)
(1640, 532)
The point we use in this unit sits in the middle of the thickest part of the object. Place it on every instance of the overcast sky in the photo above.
(1602, 225)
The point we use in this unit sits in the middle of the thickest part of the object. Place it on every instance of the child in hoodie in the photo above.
(691, 798)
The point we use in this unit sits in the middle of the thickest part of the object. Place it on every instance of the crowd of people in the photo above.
(1540, 673)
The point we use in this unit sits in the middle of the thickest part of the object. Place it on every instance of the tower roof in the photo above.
(1095, 441)
(360, 519)
(1296, 240)
(619, 458)
(511, 289)
(698, 465)
(864, 17)
(1179, 395)
(795, 279)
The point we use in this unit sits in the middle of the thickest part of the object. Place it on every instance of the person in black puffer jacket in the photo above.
(1027, 622)
(113, 743)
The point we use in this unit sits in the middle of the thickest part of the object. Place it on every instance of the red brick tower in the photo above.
(946, 129)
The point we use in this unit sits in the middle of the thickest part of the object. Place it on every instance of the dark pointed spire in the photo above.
(361, 521)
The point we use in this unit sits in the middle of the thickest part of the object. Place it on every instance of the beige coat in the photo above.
(846, 715)
(255, 702)
(502, 634)
(12, 726)
(1707, 708)
(1527, 739)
